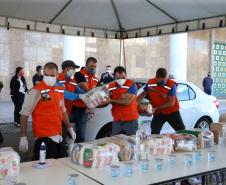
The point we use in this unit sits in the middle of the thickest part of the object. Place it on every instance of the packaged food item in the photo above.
(129, 148)
(9, 165)
(159, 144)
(154, 145)
(95, 97)
(95, 155)
(184, 142)
(144, 109)
(126, 144)
(205, 138)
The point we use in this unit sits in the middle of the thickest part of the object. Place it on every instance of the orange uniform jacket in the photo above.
(158, 95)
(122, 112)
(47, 115)
(69, 86)
(92, 81)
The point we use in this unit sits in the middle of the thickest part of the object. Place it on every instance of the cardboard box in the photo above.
(216, 128)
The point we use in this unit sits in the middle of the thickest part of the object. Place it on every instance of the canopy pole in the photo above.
(122, 56)
(120, 52)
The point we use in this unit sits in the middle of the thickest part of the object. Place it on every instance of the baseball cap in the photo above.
(69, 63)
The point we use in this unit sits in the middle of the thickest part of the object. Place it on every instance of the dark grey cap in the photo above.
(69, 63)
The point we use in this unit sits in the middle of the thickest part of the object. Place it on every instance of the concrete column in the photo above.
(74, 49)
(178, 56)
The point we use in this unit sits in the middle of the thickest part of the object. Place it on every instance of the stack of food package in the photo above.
(184, 142)
(9, 165)
(127, 146)
(94, 155)
(204, 138)
(154, 145)
(95, 97)
(111, 150)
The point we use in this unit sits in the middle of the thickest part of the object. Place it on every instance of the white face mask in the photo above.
(108, 71)
(49, 80)
(121, 81)
(71, 73)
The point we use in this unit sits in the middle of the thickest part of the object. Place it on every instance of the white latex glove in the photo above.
(23, 146)
(72, 133)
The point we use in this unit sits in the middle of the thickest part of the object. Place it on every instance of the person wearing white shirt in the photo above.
(18, 88)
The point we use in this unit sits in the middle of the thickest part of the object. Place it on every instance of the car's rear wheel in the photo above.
(203, 123)
(105, 131)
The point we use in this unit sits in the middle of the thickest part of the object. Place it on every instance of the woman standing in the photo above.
(18, 89)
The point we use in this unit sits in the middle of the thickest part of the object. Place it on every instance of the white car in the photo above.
(198, 110)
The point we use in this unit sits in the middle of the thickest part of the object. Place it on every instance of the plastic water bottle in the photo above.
(143, 133)
(42, 154)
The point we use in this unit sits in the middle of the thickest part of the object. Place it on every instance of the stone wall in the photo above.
(142, 55)
(145, 55)
(26, 49)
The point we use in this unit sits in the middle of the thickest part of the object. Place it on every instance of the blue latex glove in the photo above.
(72, 96)
(59, 84)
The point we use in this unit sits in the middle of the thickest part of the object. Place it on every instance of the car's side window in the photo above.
(182, 92)
(192, 94)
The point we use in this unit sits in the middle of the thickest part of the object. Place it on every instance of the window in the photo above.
(185, 92)
(182, 92)
(192, 94)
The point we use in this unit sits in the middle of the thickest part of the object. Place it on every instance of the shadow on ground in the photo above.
(11, 136)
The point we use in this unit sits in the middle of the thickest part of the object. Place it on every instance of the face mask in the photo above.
(71, 73)
(108, 71)
(92, 71)
(162, 83)
(121, 81)
(50, 80)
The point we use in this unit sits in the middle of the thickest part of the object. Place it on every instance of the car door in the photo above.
(188, 106)
(188, 109)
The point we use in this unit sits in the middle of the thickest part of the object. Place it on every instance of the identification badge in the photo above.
(46, 97)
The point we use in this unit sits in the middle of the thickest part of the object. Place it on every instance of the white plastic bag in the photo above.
(9, 165)
(95, 97)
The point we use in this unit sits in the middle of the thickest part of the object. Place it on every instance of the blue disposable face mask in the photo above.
(92, 71)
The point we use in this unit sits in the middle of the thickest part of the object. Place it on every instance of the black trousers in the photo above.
(174, 119)
(79, 117)
(1, 138)
(208, 91)
(18, 101)
(53, 150)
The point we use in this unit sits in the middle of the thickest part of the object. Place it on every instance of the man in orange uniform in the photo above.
(124, 106)
(86, 80)
(45, 102)
(162, 93)
(65, 78)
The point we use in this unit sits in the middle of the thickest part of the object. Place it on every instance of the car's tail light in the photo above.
(216, 103)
